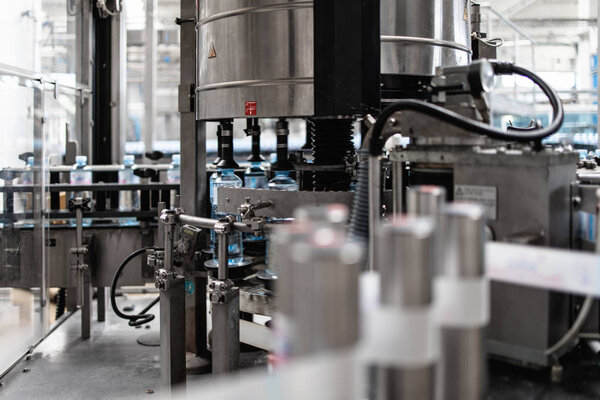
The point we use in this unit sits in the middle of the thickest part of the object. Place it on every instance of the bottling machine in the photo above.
(373, 238)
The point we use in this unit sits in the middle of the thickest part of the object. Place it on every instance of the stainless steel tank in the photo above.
(419, 35)
(255, 58)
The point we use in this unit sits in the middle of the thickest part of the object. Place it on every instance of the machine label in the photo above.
(251, 108)
(487, 196)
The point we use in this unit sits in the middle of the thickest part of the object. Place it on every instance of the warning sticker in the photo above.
(251, 108)
(212, 53)
(487, 196)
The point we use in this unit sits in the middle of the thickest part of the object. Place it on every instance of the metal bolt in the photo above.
(222, 287)
(211, 285)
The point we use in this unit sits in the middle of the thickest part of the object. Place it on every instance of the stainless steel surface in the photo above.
(259, 51)
(255, 299)
(406, 261)
(463, 237)
(284, 202)
(463, 363)
(418, 36)
(226, 333)
(425, 200)
(405, 383)
(374, 209)
(150, 72)
(172, 334)
(397, 187)
(327, 319)
(462, 360)
(222, 256)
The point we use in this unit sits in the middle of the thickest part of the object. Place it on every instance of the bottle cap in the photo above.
(81, 160)
(128, 160)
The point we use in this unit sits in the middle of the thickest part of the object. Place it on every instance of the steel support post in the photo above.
(172, 333)
(101, 307)
(225, 300)
(172, 312)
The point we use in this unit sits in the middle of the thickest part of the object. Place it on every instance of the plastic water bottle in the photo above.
(174, 175)
(235, 249)
(129, 200)
(255, 177)
(23, 202)
(283, 181)
(81, 175)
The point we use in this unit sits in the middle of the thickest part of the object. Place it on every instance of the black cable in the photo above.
(376, 141)
(134, 319)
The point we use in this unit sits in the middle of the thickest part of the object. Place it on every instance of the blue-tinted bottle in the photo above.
(283, 181)
(255, 177)
(129, 200)
(81, 175)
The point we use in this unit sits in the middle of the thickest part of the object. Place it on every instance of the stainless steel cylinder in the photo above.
(418, 36)
(463, 227)
(406, 256)
(425, 200)
(333, 215)
(462, 286)
(324, 312)
(255, 58)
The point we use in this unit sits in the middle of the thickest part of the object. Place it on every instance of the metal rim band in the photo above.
(256, 9)
(431, 42)
(255, 83)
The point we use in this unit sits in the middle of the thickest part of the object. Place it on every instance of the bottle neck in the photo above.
(226, 171)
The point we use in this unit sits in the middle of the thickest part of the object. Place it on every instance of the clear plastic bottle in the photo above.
(174, 175)
(227, 178)
(24, 201)
(283, 181)
(129, 200)
(81, 175)
(255, 177)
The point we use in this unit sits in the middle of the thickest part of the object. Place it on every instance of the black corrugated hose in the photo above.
(358, 228)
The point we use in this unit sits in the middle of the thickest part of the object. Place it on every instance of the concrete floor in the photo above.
(109, 365)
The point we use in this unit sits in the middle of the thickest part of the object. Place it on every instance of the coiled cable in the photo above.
(134, 319)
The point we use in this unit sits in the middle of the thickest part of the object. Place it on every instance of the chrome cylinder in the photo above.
(425, 200)
(406, 256)
(317, 293)
(464, 237)
(428, 201)
(255, 58)
(418, 36)
(462, 286)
